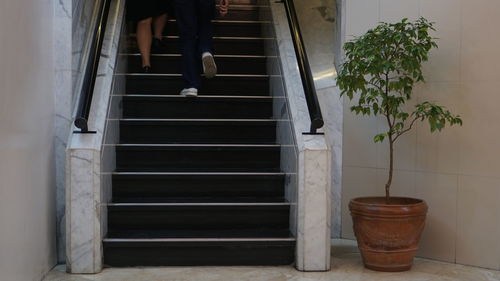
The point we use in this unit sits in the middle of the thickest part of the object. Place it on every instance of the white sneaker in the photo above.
(209, 66)
(189, 92)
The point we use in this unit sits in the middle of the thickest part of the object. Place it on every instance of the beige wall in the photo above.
(458, 171)
(27, 185)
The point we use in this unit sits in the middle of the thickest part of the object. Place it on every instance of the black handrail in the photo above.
(90, 73)
(304, 68)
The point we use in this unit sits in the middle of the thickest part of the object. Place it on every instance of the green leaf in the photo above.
(379, 138)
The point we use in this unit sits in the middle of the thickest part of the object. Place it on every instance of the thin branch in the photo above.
(387, 108)
(376, 86)
(408, 129)
(391, 125)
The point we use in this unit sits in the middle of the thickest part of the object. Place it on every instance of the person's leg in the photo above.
(188, 28)
(159, 23)
(144, 40)
(206, 13)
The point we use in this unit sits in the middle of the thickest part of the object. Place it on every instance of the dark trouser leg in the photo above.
(206, 13)
(187, 19)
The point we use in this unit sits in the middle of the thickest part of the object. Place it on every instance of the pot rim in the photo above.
(358, 202)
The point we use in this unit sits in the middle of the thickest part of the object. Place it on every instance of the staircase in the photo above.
(198, 180)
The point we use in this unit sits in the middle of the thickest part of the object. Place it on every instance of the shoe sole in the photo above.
(189, 95)
(209, 67)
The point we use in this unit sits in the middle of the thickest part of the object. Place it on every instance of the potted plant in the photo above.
(379, 73)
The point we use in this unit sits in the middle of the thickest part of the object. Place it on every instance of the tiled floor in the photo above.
(346, 267)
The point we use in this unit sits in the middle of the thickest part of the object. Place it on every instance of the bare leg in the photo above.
(144, 40)
(159, 23)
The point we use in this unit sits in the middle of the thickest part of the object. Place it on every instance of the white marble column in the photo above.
(62, 49)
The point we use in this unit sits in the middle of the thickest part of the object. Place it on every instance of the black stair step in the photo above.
(171, 63)
(138, 106)
(200, 158)
(249, 2)
(130, 188)
(201, 216)
(222, 27)
(226, 28)
(246, 12)
(193, 131)
(199, 233)
(220, 85)
(199, 200)
(227, 46)
(198, 253)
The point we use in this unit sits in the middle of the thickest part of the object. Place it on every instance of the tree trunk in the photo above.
(391, 170)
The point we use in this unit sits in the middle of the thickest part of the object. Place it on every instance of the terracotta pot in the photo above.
(388, 233)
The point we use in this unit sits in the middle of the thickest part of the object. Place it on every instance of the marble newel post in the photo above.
(319, 23)
(87, 191)
(312, 201)
(314, 205)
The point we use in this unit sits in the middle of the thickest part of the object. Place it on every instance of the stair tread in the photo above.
(227, 27)
(200, 216)
(200, 199)
(179, 55)
(198, 132)
(197, 157)
(197, 239)
(256, 252)
(228, 64)
(201, 121)
(195, 145)
(162, 169)
(194, 234)
(149, 75)
(198, 187)
(220, 38)
(172, 107)
(203, 204)
(200, 96)
(197, 173)
(223, 45)
(220, 85)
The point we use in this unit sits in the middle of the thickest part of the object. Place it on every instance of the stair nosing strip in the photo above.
(192, 145)
(224, 37)
(216, 56)
(152, 240)
(197, 174)
(235, 21)
(194, 204)
(199, 97)
(196, 120)
(180, 75)
(246, 5)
